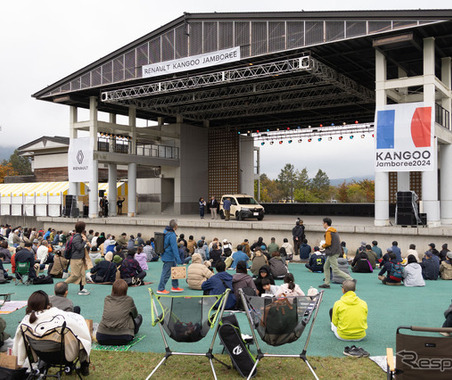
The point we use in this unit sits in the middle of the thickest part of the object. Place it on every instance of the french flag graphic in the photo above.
(421, 127)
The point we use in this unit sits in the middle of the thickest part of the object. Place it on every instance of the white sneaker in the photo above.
(83, 292)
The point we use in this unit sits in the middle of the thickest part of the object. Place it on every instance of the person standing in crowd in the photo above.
(170, 258)
(227, 208)
(298, 235)
(213, 207)
(332, 249)
(119, 203)
(202, 207)
(77, 257)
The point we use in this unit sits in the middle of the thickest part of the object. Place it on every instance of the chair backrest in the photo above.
(50, 347)
(422, 357)
(23, 268)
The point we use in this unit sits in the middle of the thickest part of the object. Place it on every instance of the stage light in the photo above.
(280, 142)
(263, 143)
(300, 140)
(362, 136)
(332, 124)
(271, 142)
(319, 139)
(340, 137)
(321, 125)
(238, 132)
(344, 123)
(309, 127)
(248, 132)
(356, 122)
(351, 137)
(290, 141)
(309, 140)
(330, 138)
(298, 127)
(373, 135)
(257, 131)
(288, 128)
(268, 130)
(277, 129)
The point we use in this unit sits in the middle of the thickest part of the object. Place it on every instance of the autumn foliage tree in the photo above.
(6, 169)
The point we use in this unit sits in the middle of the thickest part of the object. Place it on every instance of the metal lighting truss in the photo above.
(296, 84)
(298, 133)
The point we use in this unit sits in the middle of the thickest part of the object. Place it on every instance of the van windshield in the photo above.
(246, 201)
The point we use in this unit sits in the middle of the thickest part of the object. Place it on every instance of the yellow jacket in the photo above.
(350, 316)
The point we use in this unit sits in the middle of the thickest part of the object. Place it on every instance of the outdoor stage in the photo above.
(352, 230)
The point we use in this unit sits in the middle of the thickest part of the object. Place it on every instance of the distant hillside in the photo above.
(6, 152)
(339, 181)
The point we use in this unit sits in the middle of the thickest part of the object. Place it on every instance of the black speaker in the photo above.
(101, 193)
(85, 211)
(406, 219)
(75, 212)
(423, 217)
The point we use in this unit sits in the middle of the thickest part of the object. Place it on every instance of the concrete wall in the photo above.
(247, 165)
(50, 161)
(236, 231)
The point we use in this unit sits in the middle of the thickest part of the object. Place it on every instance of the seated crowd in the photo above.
(82, 257)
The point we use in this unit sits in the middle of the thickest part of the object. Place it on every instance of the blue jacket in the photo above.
(239, 256)
(227, 204)
(214, 285)
(305, 250)
(398, 253)
(171, 253)
(430, 268)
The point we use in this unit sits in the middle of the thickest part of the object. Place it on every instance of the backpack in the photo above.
(280, 320)
(43, 279)
(159, 241)
(68, 249)
(396, 273)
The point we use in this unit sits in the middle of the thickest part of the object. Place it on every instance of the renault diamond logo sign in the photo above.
(80, 157)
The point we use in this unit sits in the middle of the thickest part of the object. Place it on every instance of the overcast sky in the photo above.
(43, 41)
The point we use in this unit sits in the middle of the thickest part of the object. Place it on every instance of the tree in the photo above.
(287, 180)
(303, 186)
(342, 195)
(320, 185)
(6, 169)
(20, 164)
(270, 191)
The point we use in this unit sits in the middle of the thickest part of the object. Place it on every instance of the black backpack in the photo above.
(159, 241)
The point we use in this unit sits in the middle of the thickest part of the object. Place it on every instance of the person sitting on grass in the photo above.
(316, 261)
(242, 280)
(60, 300)
(268, 289)
(264, 272)
(448, 321)
(289, 288)
(237, 256)
(278, 265)
(258, 261)
(120, 319)
(361, 264)
(344, 266)
(430, 266)
(218, 283)
(103, 271)
(197, 272)
(349, 315)
(446, 267)
(41, 318)
(393, 270)
(412, 273)
(131, 270)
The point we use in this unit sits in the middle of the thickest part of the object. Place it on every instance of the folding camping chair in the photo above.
(22, 271)
(420, 356)
(187, 319)
(49, 351)
(281, 321)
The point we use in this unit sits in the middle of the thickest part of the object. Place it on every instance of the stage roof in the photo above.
(267, 87)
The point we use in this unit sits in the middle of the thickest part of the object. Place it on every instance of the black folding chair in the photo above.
(187, 319)
(48, 351)
(421, 356)
(281, 321)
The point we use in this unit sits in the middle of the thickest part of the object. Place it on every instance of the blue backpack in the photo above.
(396, 273)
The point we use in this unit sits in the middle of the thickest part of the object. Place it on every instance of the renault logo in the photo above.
(80, 157)
(237, 350)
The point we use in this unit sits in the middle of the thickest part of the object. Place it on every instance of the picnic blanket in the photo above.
(98, 347)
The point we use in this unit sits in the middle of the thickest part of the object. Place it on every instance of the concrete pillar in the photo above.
(94, 183)
(112, 189)
(446, 74)
(133, 129)
(73, 186)
(430, 178)
(446, 184)
(132, 185)
(381, 178)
